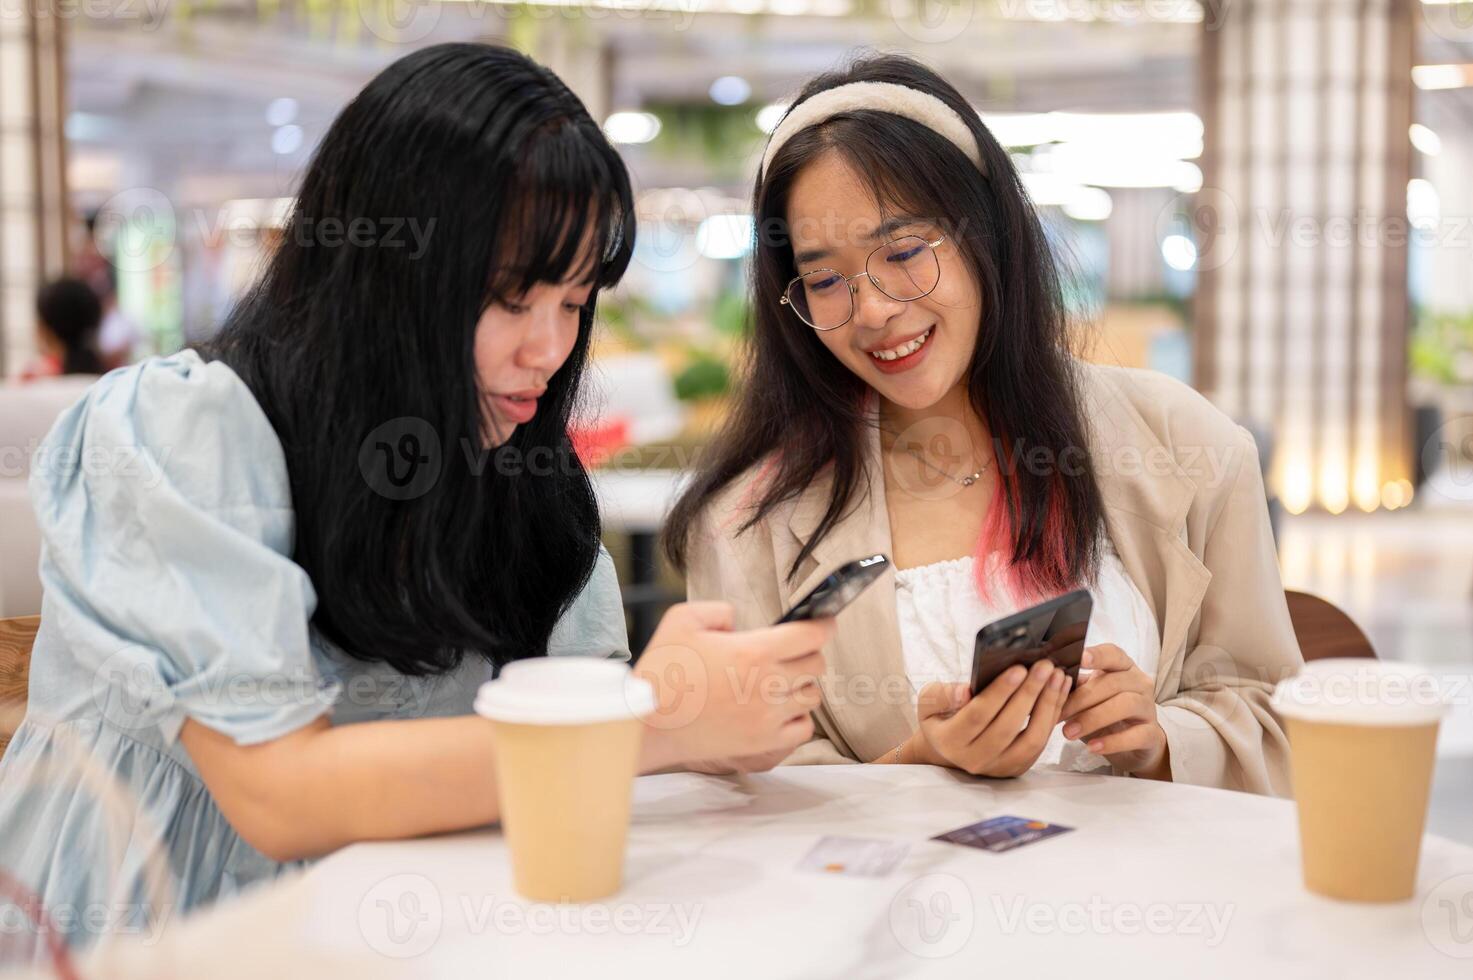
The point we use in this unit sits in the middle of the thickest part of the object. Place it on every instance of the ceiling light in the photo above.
(1423, 203)
(770, 115)
(1179, 251)
(1430, 77)
(1089, 204)
(631, 127)
(730, 90)
(281, 111)
(1425, 140)
(725, 236)
(286, 140)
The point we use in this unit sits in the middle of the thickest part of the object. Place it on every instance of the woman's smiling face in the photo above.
(835, 223)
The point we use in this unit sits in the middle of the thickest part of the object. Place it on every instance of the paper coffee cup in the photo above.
(1362, 737)
(567, 734)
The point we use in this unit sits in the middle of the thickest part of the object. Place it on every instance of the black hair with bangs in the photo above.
(470, 173)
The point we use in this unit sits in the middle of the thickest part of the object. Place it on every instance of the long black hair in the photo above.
(801, 410)
(471, 173)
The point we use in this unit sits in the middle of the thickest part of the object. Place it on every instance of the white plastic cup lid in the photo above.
(1361, 691)
(567, 690)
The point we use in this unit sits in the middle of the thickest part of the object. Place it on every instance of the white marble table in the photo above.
(1157, 880)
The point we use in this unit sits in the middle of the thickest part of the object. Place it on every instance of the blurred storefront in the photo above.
(1194, 161)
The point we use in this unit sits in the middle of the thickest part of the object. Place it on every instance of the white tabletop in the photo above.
(1156, 880)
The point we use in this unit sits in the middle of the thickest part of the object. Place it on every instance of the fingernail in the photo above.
(1087, 660)
(959, 695)
(1016, 675)
(1058, 681)
(1096, 745)
(1071, 729)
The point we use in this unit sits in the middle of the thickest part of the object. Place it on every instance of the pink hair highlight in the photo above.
(1038, 576)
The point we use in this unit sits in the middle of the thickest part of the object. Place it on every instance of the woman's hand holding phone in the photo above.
(744, 696)
(1113, 711)
(1000, 732)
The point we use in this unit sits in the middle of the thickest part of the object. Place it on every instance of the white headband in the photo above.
(898, 100)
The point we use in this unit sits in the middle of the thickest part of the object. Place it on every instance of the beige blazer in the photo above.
(1186, 511)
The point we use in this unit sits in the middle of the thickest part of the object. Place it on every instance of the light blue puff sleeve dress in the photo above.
(170, 593)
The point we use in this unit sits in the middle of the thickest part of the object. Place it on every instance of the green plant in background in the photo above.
(618, 314)
(529, 27)
(1442, 347)
(705, 376)
(707, 373)
(720, 136)
(731, 315)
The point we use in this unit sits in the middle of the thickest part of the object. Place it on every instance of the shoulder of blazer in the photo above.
(1172, 411)
(734, 505)
(1132, 410)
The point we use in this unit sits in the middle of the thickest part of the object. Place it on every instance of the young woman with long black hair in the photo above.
(351, 508)
(911, 391)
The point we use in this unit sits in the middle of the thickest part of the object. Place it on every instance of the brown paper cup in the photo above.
(567, 734)
(1362, 793)
(1363, 738)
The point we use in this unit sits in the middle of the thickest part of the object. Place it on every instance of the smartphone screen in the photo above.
(1052, 630)
(838, 589)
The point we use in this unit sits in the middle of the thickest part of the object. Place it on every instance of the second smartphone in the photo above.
(1052, 630)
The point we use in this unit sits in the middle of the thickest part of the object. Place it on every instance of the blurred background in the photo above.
(1267, 199)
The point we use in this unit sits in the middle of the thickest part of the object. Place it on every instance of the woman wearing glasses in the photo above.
(911, 392)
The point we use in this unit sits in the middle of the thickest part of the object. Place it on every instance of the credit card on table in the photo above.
(1000, 834)
(854, 856)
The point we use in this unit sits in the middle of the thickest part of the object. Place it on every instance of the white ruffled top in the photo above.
(941, 611)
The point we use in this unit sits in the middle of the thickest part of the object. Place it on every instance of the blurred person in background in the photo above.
(911, 391)
(68, 316)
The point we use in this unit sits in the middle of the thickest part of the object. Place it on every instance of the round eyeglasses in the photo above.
(905, 269)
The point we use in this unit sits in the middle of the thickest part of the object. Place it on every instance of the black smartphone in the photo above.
(1052, 630)
(838, 589)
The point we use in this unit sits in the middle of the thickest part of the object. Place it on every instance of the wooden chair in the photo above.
(1324, 630)
(17, 636)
